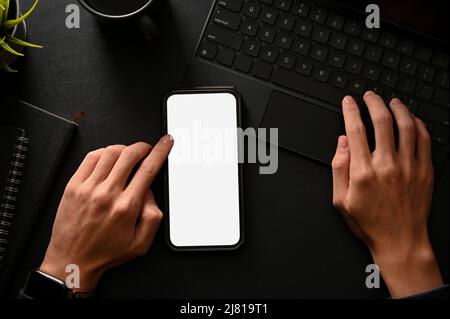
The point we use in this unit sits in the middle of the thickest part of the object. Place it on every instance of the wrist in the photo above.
(410, 272)
(88, 278)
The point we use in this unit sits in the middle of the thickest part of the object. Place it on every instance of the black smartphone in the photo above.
(204, 175)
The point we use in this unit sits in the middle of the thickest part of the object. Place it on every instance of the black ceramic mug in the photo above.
(125, 10)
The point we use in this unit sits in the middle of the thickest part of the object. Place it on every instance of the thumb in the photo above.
(341, 172)
(149, 219)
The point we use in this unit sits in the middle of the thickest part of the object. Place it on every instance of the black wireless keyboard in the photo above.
(304, 47)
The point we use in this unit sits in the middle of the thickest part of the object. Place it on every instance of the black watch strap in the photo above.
(40, 285)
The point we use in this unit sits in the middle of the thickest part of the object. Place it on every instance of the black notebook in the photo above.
(13, 146)
(48, 137)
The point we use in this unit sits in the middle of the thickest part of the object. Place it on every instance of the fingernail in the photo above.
(349, 100)
(395, 101)
(342, 143)
(167, 139)
(369, 93)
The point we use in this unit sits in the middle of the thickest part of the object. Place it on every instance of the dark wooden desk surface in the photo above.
(296, 244)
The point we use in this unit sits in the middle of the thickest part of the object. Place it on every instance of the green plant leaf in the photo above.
(12, 23)
(4, 66)
(2, 40)
(6, 10)
(7, 48)
(2, 9)
(22, 43)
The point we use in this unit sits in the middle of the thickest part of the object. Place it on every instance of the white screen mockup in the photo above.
(203, 170)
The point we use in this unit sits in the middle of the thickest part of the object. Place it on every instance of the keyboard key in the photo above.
(318, 14)
(371, 72)
(335, 21)
(338, 79)
(405, 47)
(251, 9)
(286, 22)
(440, 60)
(286, 60)
(304, 85)
(338, 40)
(378, 89)
(429, 111)
(354, 65)
(226, 18)
(301, 46)
(424, 91)
(320, 34)
(370, 35)
(441, 97)
(390, 60)
(249, 27)
(269, 15)
(243, 63)
(389, 78)
(411, 103)
(322, 73)
(357, 86)
(304, 66)
(284, 5)
(251, 47)
(268, 2)
(423, 53)
(389, 94)
(355, 47)
(440, 135)
(208, 50)
(319, 53)
(373, 53)
(406, 85)
(224, 37)
(267, 34)
(336, 59)
(284, 40)
(226, 57)
(442, 79)
(234, 5)
(301, 8)
(262, 70)
(388, 40)
(269, 53)
(426, 72)
(353, 28)
(303, 28)
(408, 66)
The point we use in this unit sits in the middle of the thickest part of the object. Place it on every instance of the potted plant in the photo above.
(12, 32)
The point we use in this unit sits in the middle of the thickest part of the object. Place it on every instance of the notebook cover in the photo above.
(49, 136)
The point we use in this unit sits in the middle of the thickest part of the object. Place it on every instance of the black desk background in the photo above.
(296, 243)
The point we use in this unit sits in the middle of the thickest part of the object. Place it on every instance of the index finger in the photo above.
(355, 131)
(150, 167)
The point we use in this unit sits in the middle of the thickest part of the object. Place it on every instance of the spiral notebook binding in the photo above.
(9, 197)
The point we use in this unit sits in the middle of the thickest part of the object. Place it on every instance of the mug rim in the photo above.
(95, 12)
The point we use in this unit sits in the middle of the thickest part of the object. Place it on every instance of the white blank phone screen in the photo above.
(203, 170)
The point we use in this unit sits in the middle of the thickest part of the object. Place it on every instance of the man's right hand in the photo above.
(385, 196)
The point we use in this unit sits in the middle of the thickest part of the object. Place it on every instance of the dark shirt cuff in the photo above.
(438, 293)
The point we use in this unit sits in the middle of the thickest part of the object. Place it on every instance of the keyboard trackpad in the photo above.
(304, 127)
